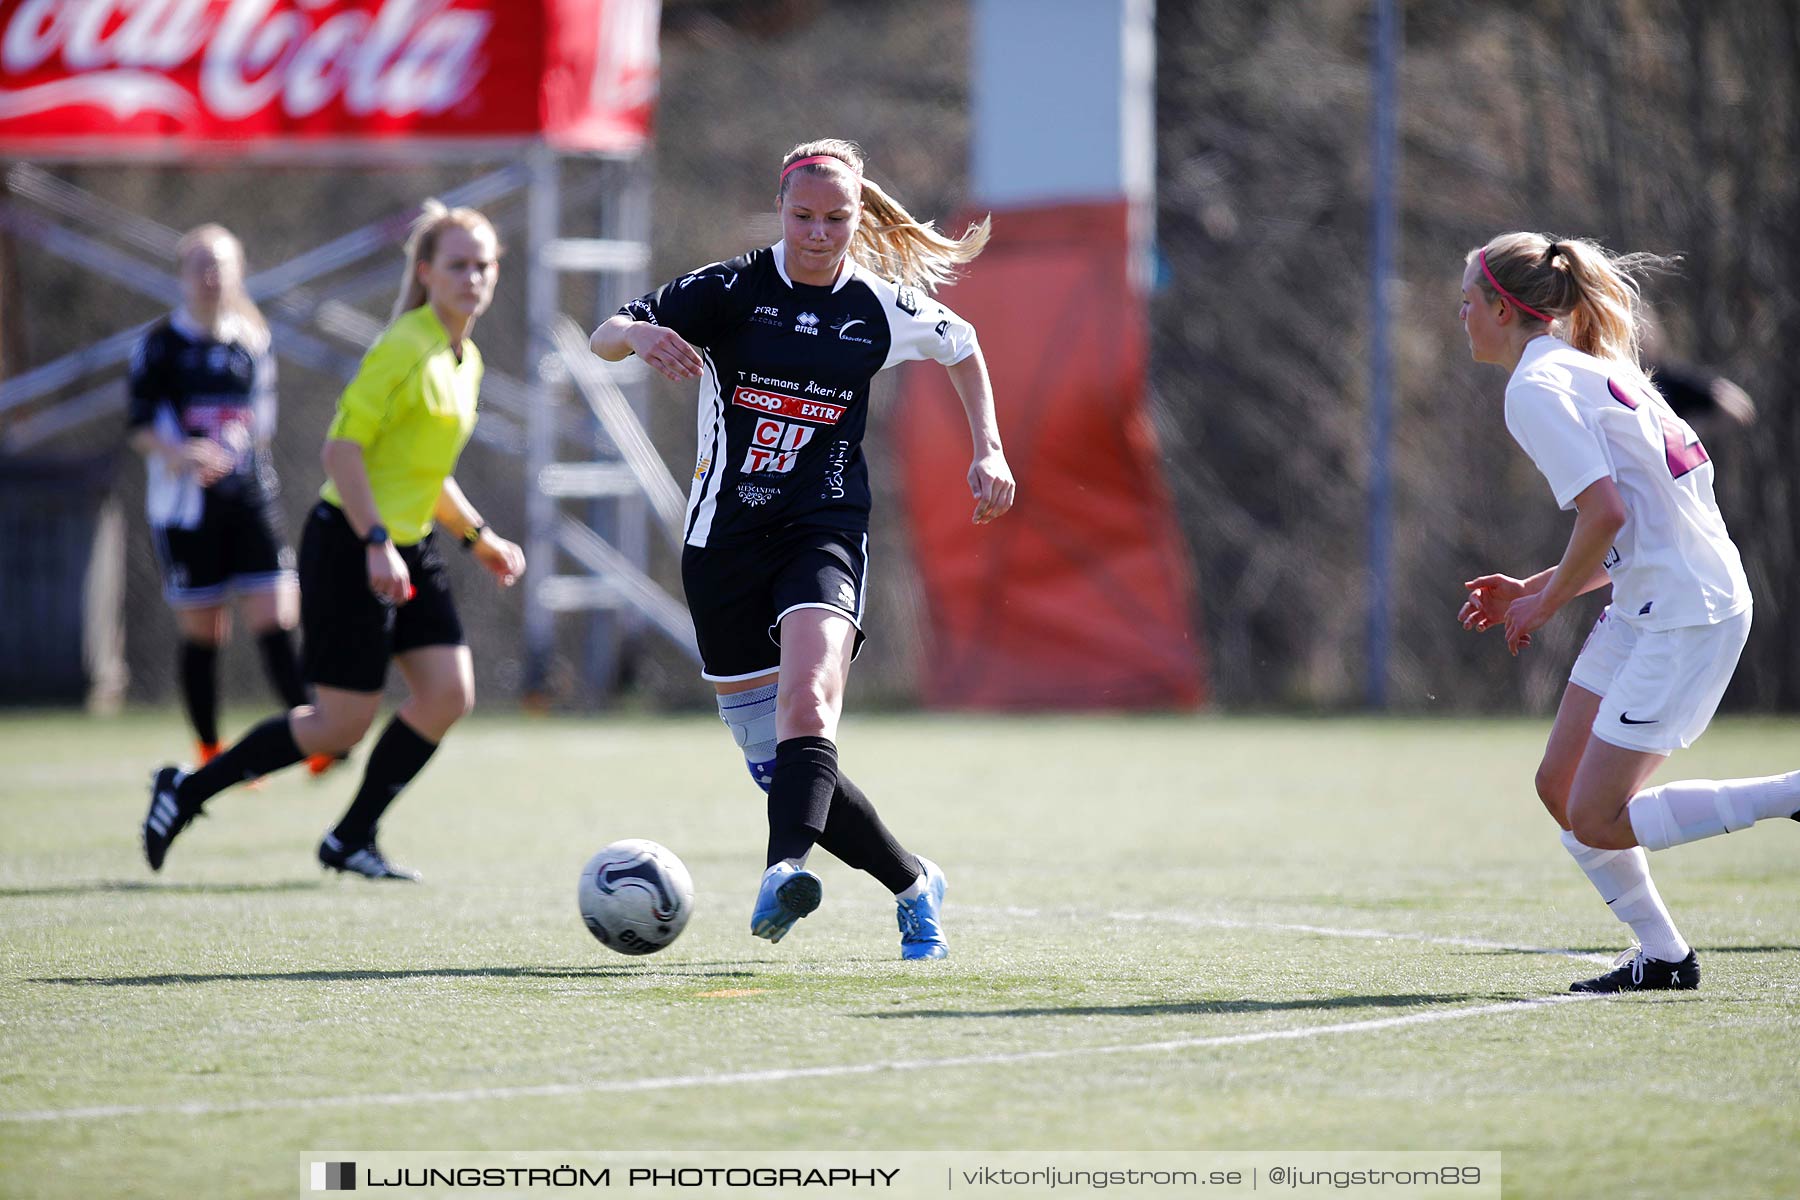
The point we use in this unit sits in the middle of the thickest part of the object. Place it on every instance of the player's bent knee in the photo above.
(443, 711)
(750, 715)
(1553, 790)
(807, 713)
(1594, 829)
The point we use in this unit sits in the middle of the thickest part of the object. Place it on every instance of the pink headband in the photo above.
(1517, 303)
(817, 158)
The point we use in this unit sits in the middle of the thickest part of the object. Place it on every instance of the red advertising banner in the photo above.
(175, 78)
(1084, 596)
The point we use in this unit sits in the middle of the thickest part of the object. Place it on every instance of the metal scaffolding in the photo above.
(593, 478)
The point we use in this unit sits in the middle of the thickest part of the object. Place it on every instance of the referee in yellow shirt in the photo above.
(372, 582)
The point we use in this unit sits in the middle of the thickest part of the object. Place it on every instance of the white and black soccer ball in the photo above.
(635, 896)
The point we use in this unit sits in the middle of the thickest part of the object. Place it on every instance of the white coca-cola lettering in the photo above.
(418, 57)
(241, 72)
(415, 58)
(625, 68)
(319, 67)
(32, 35)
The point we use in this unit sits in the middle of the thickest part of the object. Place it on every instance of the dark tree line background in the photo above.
(1667, 125)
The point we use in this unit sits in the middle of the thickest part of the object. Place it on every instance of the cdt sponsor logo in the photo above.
(775, 446)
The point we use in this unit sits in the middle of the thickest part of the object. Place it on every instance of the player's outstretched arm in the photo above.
(661, 348)
(990, 478)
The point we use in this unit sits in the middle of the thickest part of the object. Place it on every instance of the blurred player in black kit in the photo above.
(202, 414)
(785, 341)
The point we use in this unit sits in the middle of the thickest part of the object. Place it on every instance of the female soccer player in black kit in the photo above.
(785, 341)
(202, 413)
(373, 584)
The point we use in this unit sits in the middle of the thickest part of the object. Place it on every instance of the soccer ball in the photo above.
(635, 896)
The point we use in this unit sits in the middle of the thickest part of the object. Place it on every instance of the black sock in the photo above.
(399, 755)
(268, 747)
(200, 688)
(855, 835)
(800, 795)
(282, 667)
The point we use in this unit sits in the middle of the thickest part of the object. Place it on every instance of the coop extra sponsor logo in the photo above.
(795, 408)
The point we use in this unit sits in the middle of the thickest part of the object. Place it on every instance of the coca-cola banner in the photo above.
(182, 77)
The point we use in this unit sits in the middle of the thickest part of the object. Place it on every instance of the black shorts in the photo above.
(738, 594)
(348, 634)
(238, 546)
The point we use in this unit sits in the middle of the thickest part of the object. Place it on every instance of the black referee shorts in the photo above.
(348, 635)
(238, 546)
(738, 593)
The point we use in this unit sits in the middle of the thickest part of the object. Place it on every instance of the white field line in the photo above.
(1199, 922)
(778, 1075)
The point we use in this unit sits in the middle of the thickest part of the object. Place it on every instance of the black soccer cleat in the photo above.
(1636, 971)
(167, 816)
(365, 860)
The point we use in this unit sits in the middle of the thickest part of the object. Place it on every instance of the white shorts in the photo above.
(1658, 689)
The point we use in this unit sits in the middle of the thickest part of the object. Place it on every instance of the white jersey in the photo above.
(1583, 419)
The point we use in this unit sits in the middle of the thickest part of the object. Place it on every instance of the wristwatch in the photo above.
(474, 535)
(377, 535)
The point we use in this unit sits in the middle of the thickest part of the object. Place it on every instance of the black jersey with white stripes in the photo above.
(784, 392)
(186, 383)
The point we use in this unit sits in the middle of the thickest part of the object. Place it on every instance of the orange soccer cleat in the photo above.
(318, 764)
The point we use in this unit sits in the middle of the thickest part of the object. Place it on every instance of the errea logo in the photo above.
(807, 323)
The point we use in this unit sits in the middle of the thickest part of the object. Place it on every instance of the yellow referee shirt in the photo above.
(411, 408)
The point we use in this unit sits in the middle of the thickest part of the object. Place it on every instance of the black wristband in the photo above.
(474, 535)
(377, 535)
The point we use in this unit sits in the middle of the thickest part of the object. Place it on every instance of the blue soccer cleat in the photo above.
(921, 929)
(786, 895)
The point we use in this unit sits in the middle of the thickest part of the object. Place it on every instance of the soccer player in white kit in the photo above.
(1562, 317)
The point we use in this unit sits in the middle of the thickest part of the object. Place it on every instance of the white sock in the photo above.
(1687, 810)
(915, 891)
(1622, 877)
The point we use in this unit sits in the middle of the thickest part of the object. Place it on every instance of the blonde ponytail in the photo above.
(421, 246)
(1580, 286)
(235, 304)
(889, 241)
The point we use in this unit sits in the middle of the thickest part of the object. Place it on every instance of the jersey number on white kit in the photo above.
(1683, 454)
